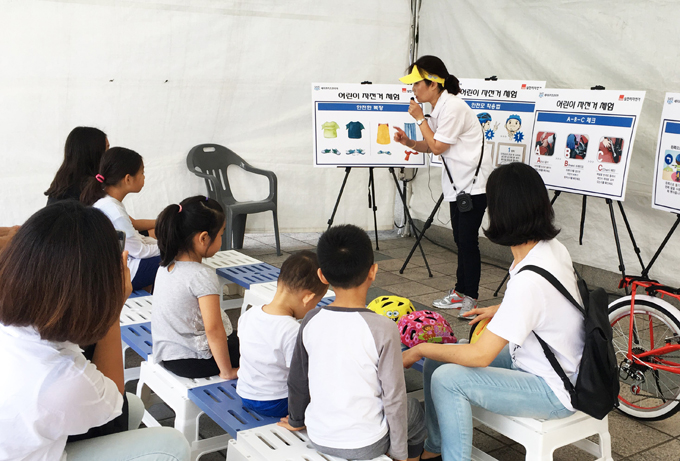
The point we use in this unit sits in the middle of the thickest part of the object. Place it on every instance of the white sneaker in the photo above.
(451, 301)
(467, 305)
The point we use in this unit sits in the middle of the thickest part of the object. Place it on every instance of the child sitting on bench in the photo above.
(267, 335)
(346, 381)
(192, 337)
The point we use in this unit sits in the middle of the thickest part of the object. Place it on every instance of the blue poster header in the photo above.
(506, 106)
(363, 107)
(580, 119)
(672, 128)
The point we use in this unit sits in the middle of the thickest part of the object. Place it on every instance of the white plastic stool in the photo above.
(541, 438)
(173, 391)
(229, 258)
(135, 310)
(275, 443)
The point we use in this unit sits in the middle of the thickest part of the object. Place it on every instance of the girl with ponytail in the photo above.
(191, 335)
(121, 172)
(452, 131)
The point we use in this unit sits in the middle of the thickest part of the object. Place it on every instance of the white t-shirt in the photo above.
(137, 245)
(531, 303)
(267, 342)
(454, 123)
(49, 391)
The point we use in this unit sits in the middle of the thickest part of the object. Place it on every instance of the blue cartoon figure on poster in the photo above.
(485, 121)
(513, 125)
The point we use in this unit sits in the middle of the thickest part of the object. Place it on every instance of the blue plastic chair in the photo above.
(210, 162)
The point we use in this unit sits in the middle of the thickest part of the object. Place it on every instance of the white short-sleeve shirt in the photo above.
(49, 391)
(454, 123)
(267, 342)
(531, 303)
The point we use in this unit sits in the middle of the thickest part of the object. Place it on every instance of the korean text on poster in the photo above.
(354, 125)
(582, 140)
(666, 193)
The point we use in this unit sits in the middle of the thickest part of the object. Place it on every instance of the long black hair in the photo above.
(82, 152)
(116, 163)
(518, 205)
(434, 65)
(177, 225)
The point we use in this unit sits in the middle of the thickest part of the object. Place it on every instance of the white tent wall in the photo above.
(571, 44)
(160, 77)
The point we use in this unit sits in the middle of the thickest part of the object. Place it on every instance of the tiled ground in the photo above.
(631, 440)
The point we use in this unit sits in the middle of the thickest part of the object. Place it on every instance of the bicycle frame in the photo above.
(652, 288)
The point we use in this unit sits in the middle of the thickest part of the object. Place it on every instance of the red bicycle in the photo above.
(646, 339)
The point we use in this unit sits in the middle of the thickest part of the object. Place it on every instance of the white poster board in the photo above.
(666, 192)
(505, 109)
(354, 125)
(583, 140)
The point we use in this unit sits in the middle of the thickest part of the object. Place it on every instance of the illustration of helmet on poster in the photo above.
(485, 120)
(671, 172)
(513, 125)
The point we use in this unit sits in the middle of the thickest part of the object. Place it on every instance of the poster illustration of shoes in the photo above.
(505, 110)
(354, 125)
(666, 192)
(584, 139)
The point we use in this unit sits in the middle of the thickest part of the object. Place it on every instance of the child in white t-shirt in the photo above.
(267, 335)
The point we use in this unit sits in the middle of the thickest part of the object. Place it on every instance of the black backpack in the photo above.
(597, 387)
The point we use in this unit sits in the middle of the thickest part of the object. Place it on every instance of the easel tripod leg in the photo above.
(622, 266)
(630, 233)
(371, 200)
(337, 202)
(426, 226)
(645, 271)
(402, 195)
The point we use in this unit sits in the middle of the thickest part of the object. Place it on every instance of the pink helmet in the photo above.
(425, 327)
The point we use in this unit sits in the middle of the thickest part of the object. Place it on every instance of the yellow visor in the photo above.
(417, 75)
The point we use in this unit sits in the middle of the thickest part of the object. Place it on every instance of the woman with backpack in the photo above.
(506, 371)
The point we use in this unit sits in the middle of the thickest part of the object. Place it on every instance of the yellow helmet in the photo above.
(478, 329)
(392, 307)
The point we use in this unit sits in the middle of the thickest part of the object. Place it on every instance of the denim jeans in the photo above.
(150, 444)
(451, 390)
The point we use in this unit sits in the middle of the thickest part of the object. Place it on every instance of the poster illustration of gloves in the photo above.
(505, 109)
(354, 125)
(582, 140)
(666, 192)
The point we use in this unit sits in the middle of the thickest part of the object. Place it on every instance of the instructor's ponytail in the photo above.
(452, 85)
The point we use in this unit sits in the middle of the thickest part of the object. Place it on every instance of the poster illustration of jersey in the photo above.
(354, 125)
(666, 192)
(505, 110)
(583, 140)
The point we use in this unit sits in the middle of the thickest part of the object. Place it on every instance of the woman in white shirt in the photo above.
(506, 370)
(63, 283)
(453, 132)
(121, 172)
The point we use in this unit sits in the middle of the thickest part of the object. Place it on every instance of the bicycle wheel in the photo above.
(646, 394)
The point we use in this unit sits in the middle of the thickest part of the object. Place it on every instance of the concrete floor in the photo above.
(631, 440)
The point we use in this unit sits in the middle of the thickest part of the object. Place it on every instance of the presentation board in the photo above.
(583, 140)
(354, 125)
(505, 109)
(666, 192)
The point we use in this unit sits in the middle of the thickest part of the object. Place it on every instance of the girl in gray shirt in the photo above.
(191, 335)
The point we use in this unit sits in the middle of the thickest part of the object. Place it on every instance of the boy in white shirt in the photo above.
(346, 381)
(267, 335)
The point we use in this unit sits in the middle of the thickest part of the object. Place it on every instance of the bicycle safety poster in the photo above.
(583, 139)
(354, 125)
(505, 109)
(666, 192)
